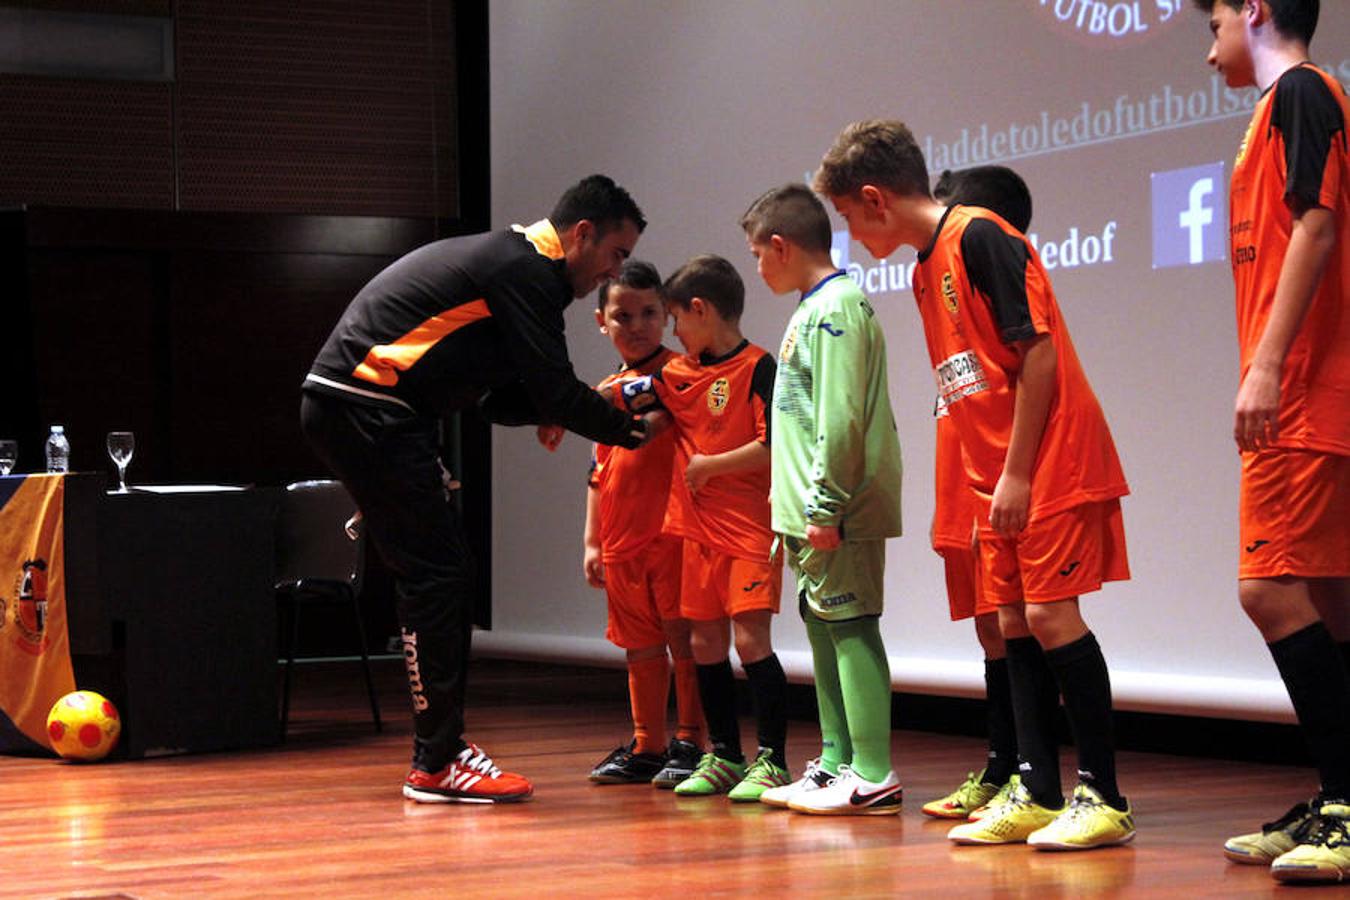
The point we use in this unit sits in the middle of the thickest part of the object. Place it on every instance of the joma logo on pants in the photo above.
(419, 697)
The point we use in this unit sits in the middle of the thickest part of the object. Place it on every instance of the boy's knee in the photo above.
(990, 636)
(752, 648)
(676, 631)
(1056, 624)
(645, 653)
(1277, 607)
(1012, 622)
(1257, 599)
(753, 641)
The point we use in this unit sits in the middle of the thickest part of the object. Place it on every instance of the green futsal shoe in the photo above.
(714, 775)
(762, 775)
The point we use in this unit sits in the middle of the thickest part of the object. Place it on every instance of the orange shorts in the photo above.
(715, 585)
(1063, 555)
(964, 594)
(644, 590)
(1294, 514)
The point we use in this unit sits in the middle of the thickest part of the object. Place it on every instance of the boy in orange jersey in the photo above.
(719, 396)
(1290, 233)
(627, 552)
(1039, 457)
(1003, 191)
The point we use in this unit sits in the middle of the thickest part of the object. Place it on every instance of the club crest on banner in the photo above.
(29, 606)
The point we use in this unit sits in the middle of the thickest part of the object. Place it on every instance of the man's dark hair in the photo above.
(637, 274)
(994, 187)
(1294, 19)
(880, 152)
(712, 278)
(793, 213)
(598, 199)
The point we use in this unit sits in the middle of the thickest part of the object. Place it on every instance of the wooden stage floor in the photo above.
(322, 816)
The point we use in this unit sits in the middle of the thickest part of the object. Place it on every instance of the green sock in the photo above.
(865, 683)
(835, 746)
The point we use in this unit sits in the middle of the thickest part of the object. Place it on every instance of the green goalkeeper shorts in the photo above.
(844, 583)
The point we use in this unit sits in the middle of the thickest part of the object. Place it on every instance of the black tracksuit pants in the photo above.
(387, 459)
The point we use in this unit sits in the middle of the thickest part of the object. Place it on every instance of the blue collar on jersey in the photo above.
(821, 283)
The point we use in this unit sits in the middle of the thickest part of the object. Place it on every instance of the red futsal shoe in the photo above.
(471, 777)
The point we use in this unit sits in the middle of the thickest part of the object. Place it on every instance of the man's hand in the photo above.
(550, 436)
(1256, 421)
(823, 537)
(658, 420)
(1012, 500)
(592, 567)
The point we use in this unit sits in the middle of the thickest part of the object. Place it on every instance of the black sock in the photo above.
(1002, 763)
(768, 685)
(1345, 655)
(1035, 702)
(1315, 675)
(717, 690)
(1080, 669)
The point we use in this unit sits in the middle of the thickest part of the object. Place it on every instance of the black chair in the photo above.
(318, 562)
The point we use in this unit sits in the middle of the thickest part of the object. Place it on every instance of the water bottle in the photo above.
(58, 450)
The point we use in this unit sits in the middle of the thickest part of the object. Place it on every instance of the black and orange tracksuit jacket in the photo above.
(457, 321)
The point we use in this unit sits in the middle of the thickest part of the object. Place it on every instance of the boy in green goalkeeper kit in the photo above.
(835, 497)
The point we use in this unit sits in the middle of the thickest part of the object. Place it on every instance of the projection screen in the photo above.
(1126, 138)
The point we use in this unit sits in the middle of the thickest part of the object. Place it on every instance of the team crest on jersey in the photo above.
(717, 396)
(789, 342)
(949, 292)
(1246, 139)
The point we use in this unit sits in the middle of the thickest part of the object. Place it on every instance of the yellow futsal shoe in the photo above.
(973, 793)
(1008, 823)
(1324, 852)
(1275, 838)
(1088, 822)
(997, 800)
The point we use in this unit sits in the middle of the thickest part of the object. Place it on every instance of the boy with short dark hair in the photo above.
(1047, 484)
(1001, 190)
(1290, 227)
(628, 553)
(836, 498)
(719, 395)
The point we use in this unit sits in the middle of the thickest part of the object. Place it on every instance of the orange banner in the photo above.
(35, 668)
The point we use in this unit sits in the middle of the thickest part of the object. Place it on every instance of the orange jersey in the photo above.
(1295, 152)
(953, 502)
(719, 404)
(634, 485)
(981, 288)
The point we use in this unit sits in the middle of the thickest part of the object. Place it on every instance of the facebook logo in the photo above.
(1189, 212)
(839, 244)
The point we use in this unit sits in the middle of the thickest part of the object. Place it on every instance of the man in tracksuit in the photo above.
(464, 321)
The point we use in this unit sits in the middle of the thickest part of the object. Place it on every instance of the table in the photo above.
(170, 613)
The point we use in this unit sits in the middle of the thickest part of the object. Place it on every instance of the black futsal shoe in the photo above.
(681, 760)
(623, 766)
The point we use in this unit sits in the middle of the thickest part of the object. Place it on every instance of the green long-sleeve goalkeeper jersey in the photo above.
(836, 456)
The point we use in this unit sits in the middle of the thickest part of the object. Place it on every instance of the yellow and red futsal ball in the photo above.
(83, 725)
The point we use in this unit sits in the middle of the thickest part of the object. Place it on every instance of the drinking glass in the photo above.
(121, 444)
(9, 455)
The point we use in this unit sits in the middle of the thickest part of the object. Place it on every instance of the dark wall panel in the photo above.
(311, 107)
(85, 143)
(316, 107)
(93, 322)
(246, 328)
